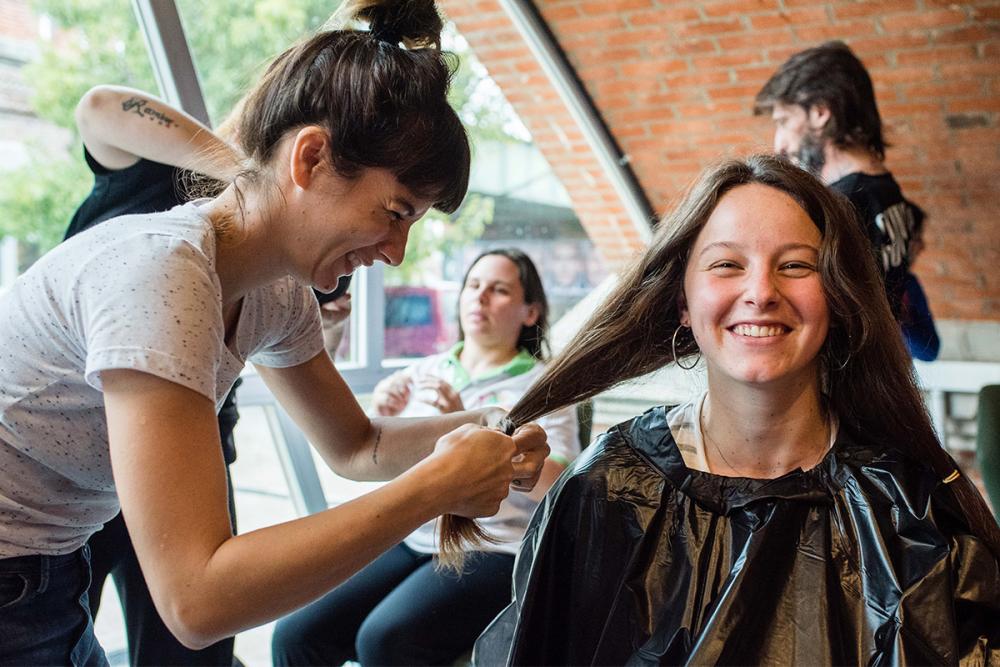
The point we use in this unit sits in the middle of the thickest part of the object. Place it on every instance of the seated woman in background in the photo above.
(402, 609)
(802, 511)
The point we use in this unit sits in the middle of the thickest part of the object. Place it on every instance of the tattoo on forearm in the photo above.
(140, 107)
(378, 439)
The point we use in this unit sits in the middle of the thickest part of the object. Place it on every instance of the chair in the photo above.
(988, 442)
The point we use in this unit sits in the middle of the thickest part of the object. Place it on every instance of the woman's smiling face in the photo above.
(753, 295)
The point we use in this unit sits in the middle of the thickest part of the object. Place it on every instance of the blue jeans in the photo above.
(44, 611)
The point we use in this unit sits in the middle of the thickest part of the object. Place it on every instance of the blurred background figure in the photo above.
(402, 609)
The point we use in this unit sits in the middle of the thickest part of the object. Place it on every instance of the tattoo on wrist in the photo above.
(141, 107)
(378, 439)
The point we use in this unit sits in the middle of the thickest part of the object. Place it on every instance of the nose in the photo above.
(779, 143)
(761, 290)
(393, 249)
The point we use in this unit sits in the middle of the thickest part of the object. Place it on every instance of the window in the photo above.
(514, 200)
(51, 53)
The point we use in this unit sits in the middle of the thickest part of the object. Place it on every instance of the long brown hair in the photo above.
(380, 93)
(455, 532)
(867, 376)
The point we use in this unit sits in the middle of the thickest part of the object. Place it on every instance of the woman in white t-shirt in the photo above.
(117, 347)
(403, 609)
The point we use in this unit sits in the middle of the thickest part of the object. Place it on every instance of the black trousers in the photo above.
(398, 611)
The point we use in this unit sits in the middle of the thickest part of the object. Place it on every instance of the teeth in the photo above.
(755, 331)
(353, 258)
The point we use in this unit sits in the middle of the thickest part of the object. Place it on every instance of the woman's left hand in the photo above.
(439, 394)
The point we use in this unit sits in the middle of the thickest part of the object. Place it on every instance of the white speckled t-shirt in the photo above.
(137, 292)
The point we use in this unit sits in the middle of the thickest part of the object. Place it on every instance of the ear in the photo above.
(682, 307)
(818, 115)
(531, 318)
(310, 148)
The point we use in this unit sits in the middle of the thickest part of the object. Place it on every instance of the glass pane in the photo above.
(515, 200)
(232, 41)
(51, 53)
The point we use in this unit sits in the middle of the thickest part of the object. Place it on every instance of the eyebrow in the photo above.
(489, 282)
(782, 248)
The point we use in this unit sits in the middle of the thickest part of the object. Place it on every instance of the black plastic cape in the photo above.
(634, 559)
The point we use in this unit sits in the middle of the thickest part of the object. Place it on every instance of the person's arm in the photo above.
(918, 323)
(121, 125)
(362, 448)
(208, 584)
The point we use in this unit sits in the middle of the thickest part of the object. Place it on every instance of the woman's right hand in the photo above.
(391, 395)
(475, 470)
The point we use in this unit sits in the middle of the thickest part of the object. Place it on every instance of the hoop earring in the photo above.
(673, 348)
(833, 365)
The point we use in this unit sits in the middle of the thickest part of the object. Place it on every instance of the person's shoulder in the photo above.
(625, 446)
(865, 188)
(884, 470)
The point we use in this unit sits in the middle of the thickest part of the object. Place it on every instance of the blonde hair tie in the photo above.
(952, 477)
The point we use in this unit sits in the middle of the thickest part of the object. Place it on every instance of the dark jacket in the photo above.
(635, 559)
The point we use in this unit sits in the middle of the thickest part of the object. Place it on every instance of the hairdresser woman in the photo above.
(108, 393)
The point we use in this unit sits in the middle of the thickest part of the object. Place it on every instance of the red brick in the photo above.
(695, 46)
(952, 88)
(974, 105)
(850, 10)
(590, 24)
(822, 33)
(727, 60)
(662, 16)
(653, 69)
(754, 41)
(731, 92)
(939, 54)
(603, 55)
(595, 7)
(978, 68)
(906, 75)
(938, 18)
(792, 17)
(699, 78)
(637, 36)
(976, 33)
(705, 28)
(560, 13)
(729, 8)
(613, 88)
(884, 43)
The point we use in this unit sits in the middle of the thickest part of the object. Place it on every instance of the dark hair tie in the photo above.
(384, 33)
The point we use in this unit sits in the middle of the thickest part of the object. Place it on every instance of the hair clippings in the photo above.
(952, 477)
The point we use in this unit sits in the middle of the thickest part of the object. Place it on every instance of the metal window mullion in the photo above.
(160, 23)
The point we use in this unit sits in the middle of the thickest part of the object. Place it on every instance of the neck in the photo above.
(246, 255)
(763, 432)
(839, 162)
(478, 357)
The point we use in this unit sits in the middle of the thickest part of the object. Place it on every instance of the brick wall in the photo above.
(675, 80)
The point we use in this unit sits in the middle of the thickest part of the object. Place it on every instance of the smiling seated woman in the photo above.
(802, 510)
